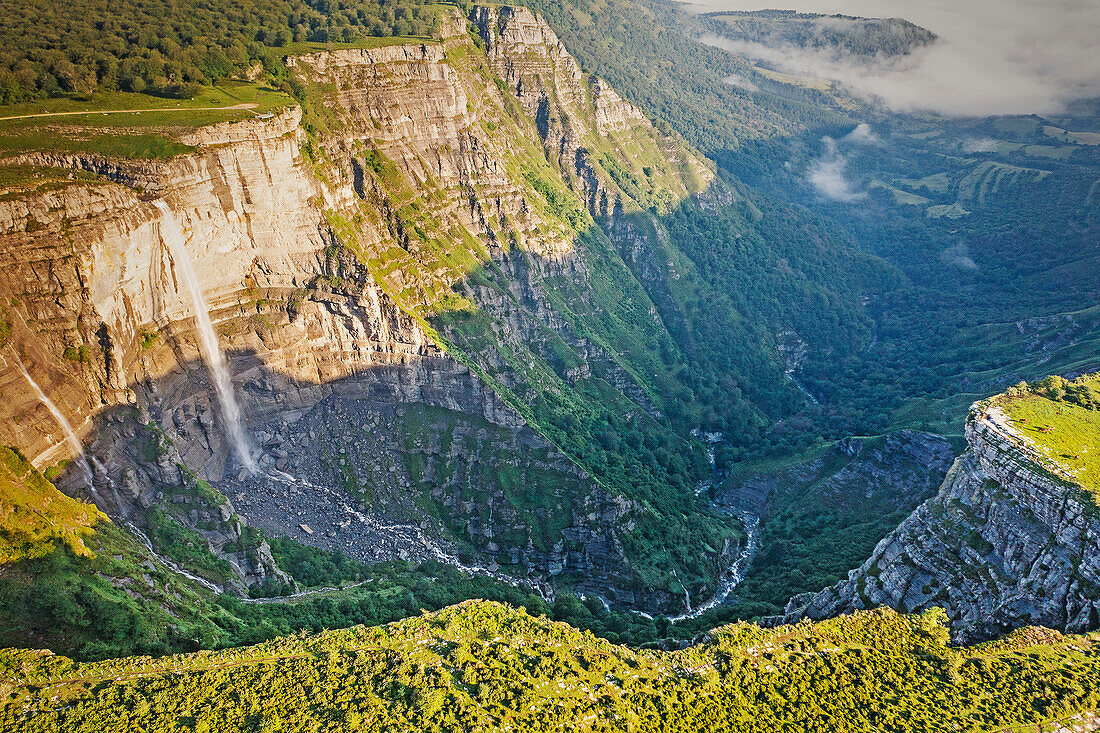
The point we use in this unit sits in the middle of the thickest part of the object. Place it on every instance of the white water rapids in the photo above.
(736, 573)
(168, 562)
(732, 577)
(172, 234)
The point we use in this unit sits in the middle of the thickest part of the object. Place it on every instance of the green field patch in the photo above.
(902, 197)
(223, 95)
(936, 182)
(1057, 152)
(1018, 126)
(949, 211)
(128, 125)
(1062, 421)
(807, 82)
(1071, 136)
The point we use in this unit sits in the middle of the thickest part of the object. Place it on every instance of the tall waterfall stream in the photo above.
(70, 434)
(172, 234)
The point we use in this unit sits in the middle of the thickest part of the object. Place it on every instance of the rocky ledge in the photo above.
(1005, 543)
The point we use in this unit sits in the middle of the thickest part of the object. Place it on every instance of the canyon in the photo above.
(326, 281)
(434, 312)
(417, 366)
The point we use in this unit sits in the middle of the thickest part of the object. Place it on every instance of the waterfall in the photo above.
(172, 234)
(70, 434)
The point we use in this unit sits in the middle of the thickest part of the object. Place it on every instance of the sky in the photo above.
(992, 57)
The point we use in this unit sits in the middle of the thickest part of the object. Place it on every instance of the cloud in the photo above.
(992, 56)
(736, 80)
(862, 135)
(979, 145)
(828, 175)
(959, 256)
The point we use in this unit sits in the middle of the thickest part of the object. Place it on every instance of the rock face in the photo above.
(1005, 543)
(576, 115)
(326, 274)
(891, 474)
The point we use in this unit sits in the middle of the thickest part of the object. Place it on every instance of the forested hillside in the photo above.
(174, 48)
(74, 582)
(483, 666)
(954, 208)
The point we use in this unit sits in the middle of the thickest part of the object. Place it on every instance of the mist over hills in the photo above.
(988, 58)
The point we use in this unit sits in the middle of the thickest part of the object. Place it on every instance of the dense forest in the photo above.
(174, 48)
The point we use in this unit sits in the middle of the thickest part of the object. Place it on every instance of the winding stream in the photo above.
(435, 551)
(735, 573)
(168, 562)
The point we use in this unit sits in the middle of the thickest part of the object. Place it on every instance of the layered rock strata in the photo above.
(321, 255)
(1006, 543)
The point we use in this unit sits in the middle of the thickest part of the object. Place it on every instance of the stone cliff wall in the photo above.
(319, 258)
(579, 117)
(89, 268)
(1005, 543)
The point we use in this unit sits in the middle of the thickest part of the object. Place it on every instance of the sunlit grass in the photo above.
(35, 517)
(95, 126)
(1066, 434)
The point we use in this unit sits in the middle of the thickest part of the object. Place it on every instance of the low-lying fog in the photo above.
(992, 57)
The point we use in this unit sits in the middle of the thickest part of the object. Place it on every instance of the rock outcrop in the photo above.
(1005, 543)
(893, 473)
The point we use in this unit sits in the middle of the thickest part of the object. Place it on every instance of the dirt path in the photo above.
(243, 105)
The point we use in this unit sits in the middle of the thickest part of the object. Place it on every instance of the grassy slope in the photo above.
(484, 666)
(35, 517)
(1066, 433)
(132, 134)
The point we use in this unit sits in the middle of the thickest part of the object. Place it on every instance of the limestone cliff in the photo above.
(419, 241)
(1006, 543)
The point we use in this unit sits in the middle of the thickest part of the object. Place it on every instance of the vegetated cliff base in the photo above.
(1008, 541)
(417, 259)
